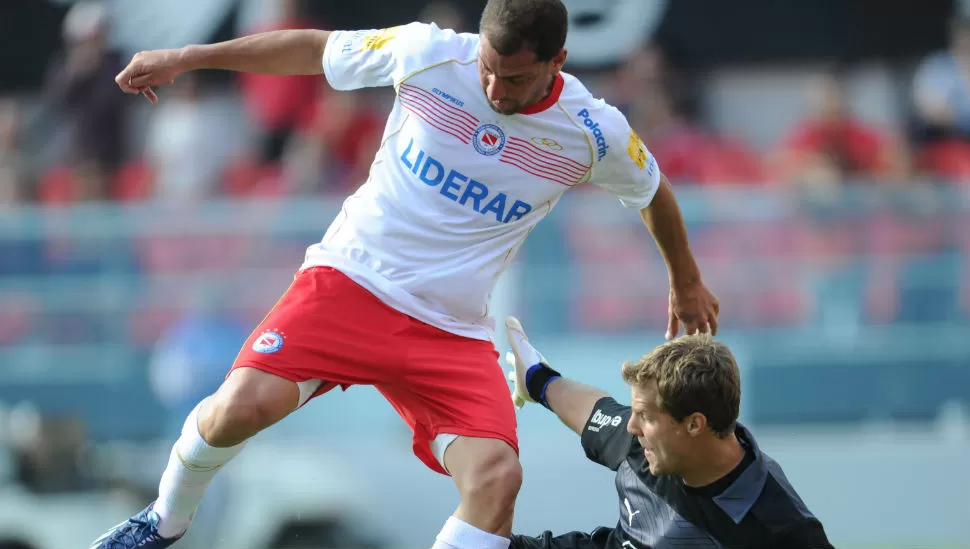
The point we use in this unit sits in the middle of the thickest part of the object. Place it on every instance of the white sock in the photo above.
(191, 466)
(458, 534)
(529, 354)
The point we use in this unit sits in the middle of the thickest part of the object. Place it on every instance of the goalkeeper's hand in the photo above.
(522, 357)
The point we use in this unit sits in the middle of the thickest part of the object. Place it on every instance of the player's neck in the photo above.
(716, 458)
(547, 90)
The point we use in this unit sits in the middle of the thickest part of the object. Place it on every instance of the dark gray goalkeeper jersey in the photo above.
(753, 507)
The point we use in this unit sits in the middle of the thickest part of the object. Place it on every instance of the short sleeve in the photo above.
(386, 57)
(605, 438)
(622, 164)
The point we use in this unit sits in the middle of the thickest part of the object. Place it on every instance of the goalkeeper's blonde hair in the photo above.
(694, 373)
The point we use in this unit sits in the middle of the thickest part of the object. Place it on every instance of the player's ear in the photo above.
(559, 60)
(696, 424)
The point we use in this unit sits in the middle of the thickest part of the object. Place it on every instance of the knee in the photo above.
(494, 478)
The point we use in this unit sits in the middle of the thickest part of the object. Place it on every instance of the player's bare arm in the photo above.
(691, 302)
(573, 402)
(284, 52)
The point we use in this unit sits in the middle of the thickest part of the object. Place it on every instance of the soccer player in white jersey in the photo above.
(485, 136)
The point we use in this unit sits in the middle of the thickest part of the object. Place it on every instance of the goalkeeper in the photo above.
(688, 475)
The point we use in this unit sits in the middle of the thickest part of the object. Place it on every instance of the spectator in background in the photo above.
(18, 256)
(941, 93)
(11, 157)
(654, 97)
(185, 367)
(656, 100)
(279, 103)
(334, 150)
(445, 14)
(185, 146)
(80, 89)
(941, 89)
(831, 146)
(187, 359)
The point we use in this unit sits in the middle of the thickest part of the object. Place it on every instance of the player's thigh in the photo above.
(546, 540)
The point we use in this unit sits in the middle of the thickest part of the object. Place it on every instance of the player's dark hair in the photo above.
(693, 374)
(537, 25)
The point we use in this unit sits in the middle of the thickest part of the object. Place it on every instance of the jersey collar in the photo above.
(736, 500)
(549, 100)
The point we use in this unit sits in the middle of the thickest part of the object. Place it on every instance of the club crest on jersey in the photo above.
(489, 139)
(269, 341)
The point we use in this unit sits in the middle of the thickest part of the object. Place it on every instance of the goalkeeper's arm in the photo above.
(536, 381)
(572, 401)
(598, 419)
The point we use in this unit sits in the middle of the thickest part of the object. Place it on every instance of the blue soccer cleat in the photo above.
(140, 531)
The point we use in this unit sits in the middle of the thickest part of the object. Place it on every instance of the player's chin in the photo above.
(656, 466)
(504, 108)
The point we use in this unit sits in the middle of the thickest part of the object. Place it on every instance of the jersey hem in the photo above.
(394, 297)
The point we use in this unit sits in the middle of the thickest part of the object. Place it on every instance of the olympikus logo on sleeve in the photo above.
(447, 97)
(600, 420)
(349, 45)
(594, 128)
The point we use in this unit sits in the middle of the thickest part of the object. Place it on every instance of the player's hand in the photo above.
(694, 306)
(148, 69)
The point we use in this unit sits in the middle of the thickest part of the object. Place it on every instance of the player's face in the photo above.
(663, 439)
(514, 82)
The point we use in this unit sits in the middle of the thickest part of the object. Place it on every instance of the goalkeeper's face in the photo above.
(666, 442)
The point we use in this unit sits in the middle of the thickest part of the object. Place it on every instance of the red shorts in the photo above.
(328, 327)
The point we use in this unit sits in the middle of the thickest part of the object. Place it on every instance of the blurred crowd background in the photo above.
(820, 150)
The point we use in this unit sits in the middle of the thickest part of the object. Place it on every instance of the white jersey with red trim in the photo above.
(456, 187)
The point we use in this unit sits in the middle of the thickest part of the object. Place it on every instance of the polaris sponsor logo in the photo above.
(594, 128)
(601, 420)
